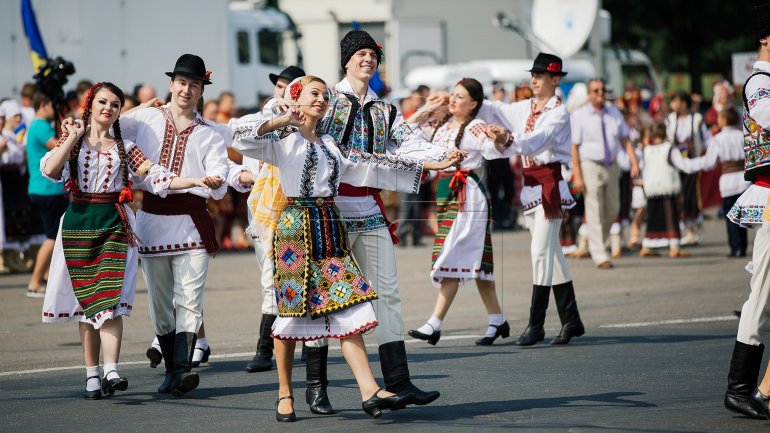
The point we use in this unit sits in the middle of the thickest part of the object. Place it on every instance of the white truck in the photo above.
(129, 42)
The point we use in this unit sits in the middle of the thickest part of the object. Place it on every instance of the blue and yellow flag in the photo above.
(35, 41)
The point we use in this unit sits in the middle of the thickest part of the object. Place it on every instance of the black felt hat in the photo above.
(356, 40)
(191, 66)
(289, 74)
(548, 63)
(760, 13)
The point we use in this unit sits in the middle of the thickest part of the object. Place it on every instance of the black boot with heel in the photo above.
(571, 325)
(535, 332)
(742, 379)
(315, 367)
(395, 372)
(263, 360)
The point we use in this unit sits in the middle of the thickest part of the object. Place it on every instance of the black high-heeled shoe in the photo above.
(109, 386)
(760, 402)
(502, 330)
(288, 417)
(430, 338)
(93, 395)
(374, 405)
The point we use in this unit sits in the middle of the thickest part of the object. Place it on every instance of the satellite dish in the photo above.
(564, 25)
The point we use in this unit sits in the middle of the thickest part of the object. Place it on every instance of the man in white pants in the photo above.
(750, 210)
(539, 131)
(177, 232)
(262, 360)
(598, 133)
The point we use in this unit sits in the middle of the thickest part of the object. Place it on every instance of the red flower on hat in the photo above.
(553, 67)
(295, 90)
(207, 75)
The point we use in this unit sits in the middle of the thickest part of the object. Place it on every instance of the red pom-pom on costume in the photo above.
(126, 195)
(295, 90)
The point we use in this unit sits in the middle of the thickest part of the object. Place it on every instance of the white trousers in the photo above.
(754, 314)
(602, 204)
(375, 255)
(548, 264)
(266, 267)
(176, 281)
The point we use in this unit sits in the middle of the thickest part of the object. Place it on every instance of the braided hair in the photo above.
(73, 159)
(476, 92)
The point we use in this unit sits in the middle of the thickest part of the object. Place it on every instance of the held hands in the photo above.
(453, 158)
(212, 182)
(73, 128)
(246, 178)
(577, 182)
(498, 135)
(154, 102)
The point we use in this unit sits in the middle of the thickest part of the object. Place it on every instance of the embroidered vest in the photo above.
(353, 127)
(756, 140)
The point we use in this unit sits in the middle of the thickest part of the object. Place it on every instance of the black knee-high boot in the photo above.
(166, 343)
(395, 372)
(742, 379)
(315, 367)
(263, 360)
(184, 379)
(571, 325)
(535, 332)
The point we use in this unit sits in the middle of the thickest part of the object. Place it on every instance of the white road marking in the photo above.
(217, 356)
(671, 322)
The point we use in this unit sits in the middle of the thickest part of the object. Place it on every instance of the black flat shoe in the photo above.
(93, 395)
(288, 417)
(500, 331)
(109, 386)
(531, 336)
(760, 402)
(374, 405)
(154, 355)
(185, 383)
(260, 362)
(430, 338)
(204, 358)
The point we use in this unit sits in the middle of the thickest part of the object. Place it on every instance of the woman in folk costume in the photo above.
(462, 250)
(320, 290)
(95, 259)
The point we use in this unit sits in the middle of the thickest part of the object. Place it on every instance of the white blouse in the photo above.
(475, 142)
(308, 169)
(99, 171)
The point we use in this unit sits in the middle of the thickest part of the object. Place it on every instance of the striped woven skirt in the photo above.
(93, 269)
(462, 248)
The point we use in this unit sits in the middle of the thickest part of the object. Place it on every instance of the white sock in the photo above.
(202, 343)
(496, 320)
(433, 324)
(156, 344)
(93, 383)
(111, 370)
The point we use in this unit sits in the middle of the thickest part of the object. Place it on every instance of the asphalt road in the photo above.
(659, 337)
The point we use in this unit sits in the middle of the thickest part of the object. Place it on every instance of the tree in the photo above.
(683, 35)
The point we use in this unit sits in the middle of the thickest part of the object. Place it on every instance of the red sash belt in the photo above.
(185, 204)
(457, 184)
(762, 180)
(109, 198)
(549, 177)
(363, 191)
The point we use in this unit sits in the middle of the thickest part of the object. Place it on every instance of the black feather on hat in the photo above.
(760, 13)
(356, 40)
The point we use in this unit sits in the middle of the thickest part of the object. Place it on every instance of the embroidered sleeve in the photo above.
(138, 162)
(248, 142)
(759, 107)
(382, 171)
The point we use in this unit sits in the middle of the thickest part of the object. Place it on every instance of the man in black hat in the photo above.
(539, 131)
(177, 231)
(748, 212)
(358, 120)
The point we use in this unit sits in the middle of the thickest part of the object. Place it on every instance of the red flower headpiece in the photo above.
(553, 67)
(295, 90)
(90, 95)
(207, 75)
